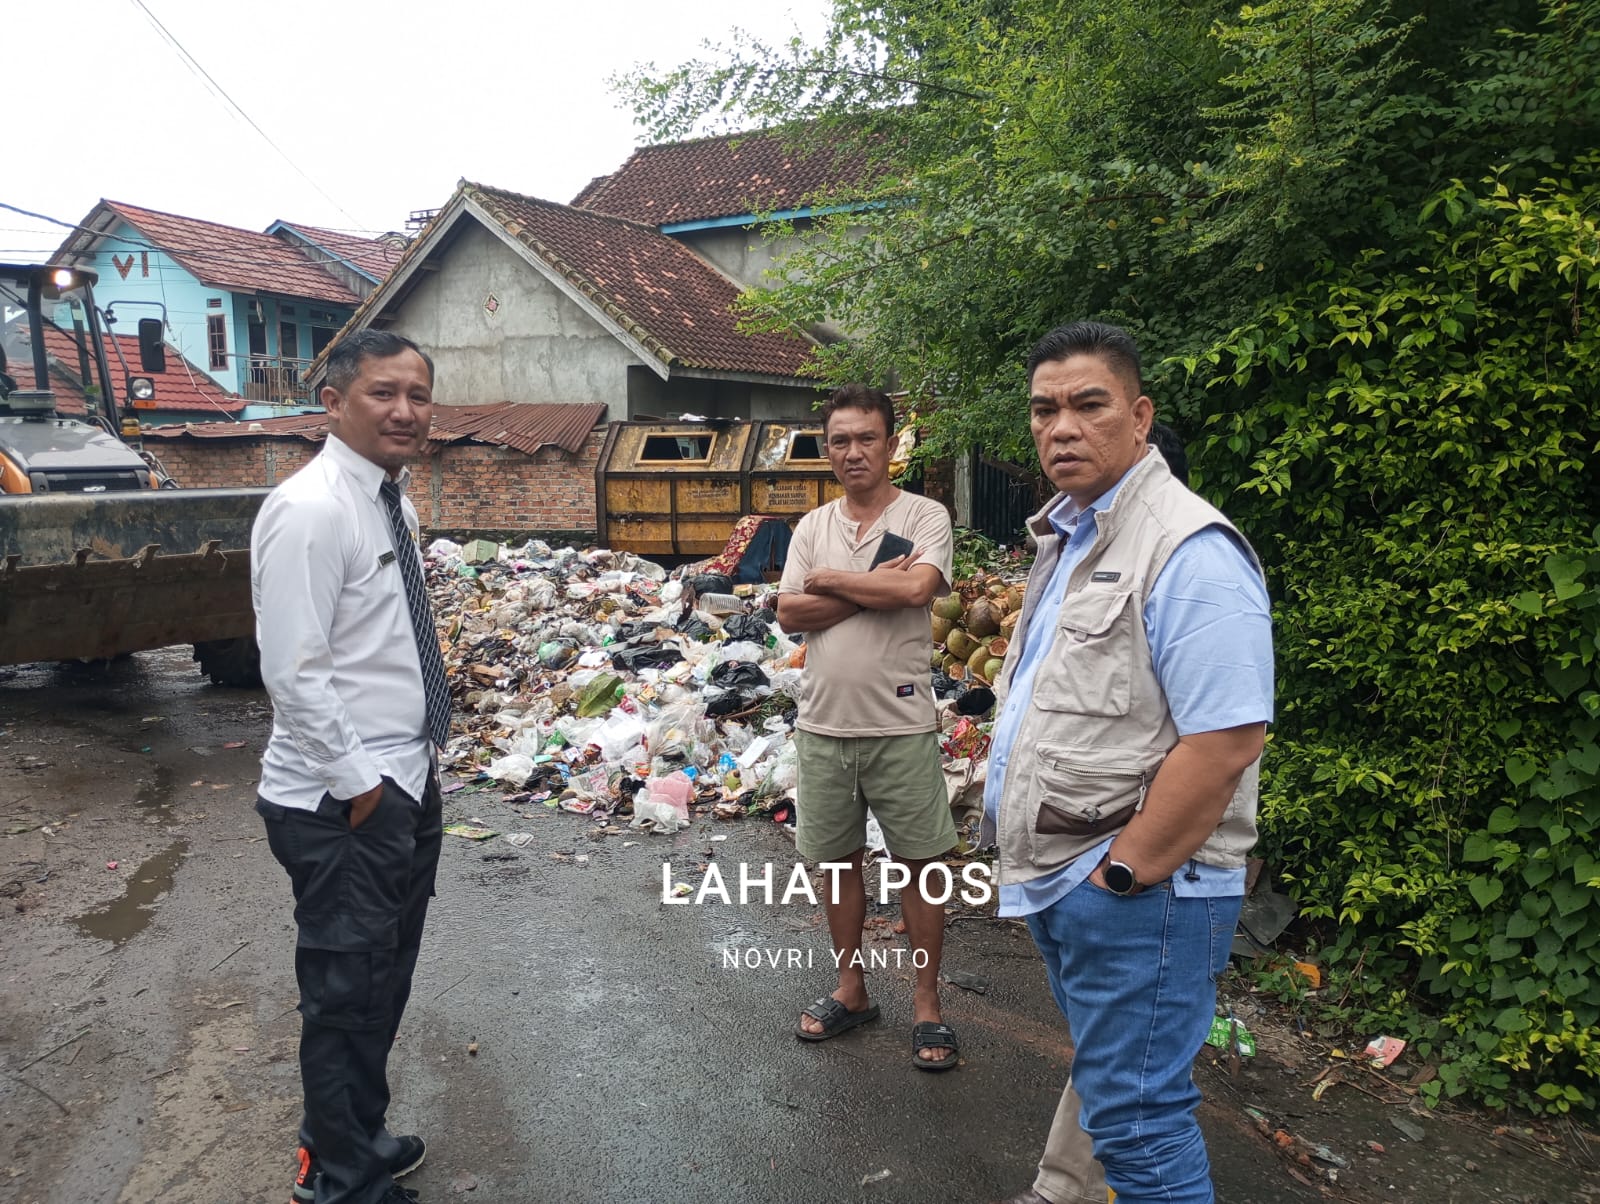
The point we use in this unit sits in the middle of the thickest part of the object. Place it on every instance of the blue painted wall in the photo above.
(130, 270)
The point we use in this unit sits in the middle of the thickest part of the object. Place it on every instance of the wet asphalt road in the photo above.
(619, 1058)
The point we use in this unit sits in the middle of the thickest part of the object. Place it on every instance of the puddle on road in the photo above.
(125, 918)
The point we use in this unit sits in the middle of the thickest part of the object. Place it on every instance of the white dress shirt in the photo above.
(338, 654)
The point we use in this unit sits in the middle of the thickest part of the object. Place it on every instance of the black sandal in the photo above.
(834, 1017)
(930, 1034)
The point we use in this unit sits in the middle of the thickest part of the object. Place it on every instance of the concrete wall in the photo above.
(462, 487)
(745, 256)
(536, 346)
(651, 397)
(740, 252)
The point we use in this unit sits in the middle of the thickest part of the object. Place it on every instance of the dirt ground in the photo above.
(570, 1037)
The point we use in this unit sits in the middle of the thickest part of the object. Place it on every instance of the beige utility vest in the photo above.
(1097, 728)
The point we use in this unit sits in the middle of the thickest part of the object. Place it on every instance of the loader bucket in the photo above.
(97, 575)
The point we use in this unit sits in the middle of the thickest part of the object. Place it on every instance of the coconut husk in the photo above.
(998, 646)
(960, 643)
(976, 662)
(1008, 623)
(941, 629)
(948, 607)
(983, 619)
(992, 667)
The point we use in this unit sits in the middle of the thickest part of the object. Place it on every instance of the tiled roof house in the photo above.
(523, 299)
(724, 180)
(712, 195)
(252, 308)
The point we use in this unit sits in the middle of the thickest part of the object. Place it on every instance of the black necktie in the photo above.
(435, 692)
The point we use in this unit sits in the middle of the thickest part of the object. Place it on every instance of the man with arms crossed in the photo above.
(349, 782)
(1129, 725)
(866, 732)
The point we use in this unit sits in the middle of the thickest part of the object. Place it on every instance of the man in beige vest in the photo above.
(861, 574)
(1130, 718)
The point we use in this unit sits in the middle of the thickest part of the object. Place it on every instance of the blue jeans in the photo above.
(1137, 980)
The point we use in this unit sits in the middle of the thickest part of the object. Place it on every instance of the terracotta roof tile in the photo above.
(653, 286)
(182, 387)
(524, 426)
(372, 256)
(226, 256)
(727, 176)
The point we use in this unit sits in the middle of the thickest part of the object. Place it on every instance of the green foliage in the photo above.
(1390, 365)
(1169, 166)
(1417, 469)
(975, 553)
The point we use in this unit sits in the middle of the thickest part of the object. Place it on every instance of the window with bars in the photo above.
(217, 341)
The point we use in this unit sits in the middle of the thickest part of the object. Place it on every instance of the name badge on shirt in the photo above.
(385, 560)
(1105, 576)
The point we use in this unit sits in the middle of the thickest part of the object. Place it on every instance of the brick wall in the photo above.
(461, 488)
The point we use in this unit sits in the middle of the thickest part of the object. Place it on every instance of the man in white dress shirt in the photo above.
(349, 785)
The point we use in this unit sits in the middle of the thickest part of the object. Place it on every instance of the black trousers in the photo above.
(361, 898)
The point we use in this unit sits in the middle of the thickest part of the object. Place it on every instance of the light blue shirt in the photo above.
(1208, 623)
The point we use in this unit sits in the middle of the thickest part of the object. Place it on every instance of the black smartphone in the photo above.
(890, 547)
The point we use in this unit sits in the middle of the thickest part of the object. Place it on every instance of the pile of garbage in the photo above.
(590, 681)
(594, 682)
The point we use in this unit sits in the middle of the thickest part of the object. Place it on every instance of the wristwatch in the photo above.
(1120, 878)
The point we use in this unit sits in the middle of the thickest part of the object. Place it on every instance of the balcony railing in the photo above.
(279, 379)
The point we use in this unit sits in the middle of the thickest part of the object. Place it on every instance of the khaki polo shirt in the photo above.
(870, 674)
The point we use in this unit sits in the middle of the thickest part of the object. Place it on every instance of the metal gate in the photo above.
(1003, 496)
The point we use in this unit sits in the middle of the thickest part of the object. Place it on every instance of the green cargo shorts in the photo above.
(899, 777)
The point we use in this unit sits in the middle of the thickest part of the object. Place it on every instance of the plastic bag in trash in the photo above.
(752, 626)
(781, 773)
(945, 686)
(731, 674)
(515, 769)
(671, 736)
(553, 654)
(787, 681)
(875, 841)
(695, 628)
(618, 734)
(728, 702)
(645, 656)
(663, 804)
(710, 583)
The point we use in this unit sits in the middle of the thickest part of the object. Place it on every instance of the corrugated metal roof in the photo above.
(527, 427)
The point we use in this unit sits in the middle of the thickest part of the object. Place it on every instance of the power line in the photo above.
(194, 65)
(203, 254)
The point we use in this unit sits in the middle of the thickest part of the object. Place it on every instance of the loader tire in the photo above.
(231, 662)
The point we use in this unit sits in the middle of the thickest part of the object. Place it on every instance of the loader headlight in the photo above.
(141, 389)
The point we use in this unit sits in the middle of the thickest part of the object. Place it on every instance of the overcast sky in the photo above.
(383, 104)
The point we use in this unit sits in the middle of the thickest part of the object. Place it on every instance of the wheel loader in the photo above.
(101, 554)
